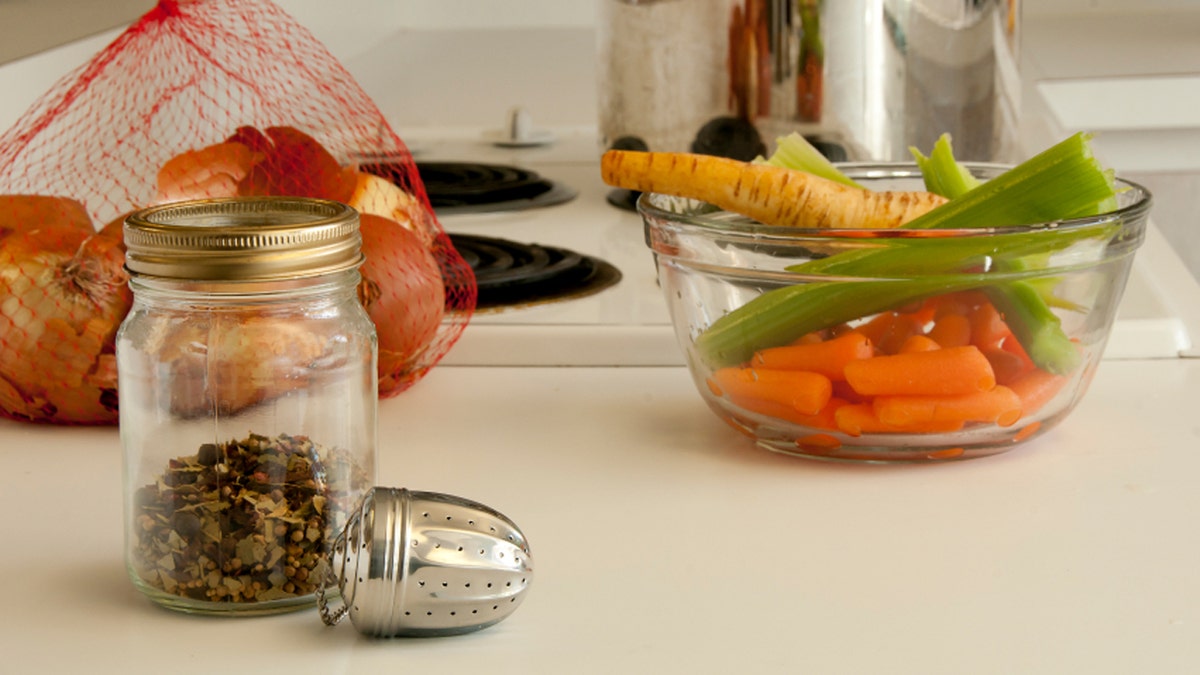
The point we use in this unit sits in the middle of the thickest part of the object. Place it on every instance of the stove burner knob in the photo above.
(518, 131)
(520, 124)
(731, 137)
(629, 143)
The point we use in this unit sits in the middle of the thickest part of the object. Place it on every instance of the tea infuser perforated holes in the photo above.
(424, 564)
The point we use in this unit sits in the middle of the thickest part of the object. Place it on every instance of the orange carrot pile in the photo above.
(949, 371)
(934, 368)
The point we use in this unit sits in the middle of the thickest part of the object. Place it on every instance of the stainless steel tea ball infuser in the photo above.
(425, 564)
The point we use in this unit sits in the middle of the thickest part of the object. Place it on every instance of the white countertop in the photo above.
(664, 542)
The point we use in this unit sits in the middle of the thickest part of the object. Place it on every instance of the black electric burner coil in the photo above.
(509, 273)
(474, 187)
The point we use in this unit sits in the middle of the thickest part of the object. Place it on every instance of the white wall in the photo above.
(494, 13)
(346, 27)
(350, 27)
(1035, 7)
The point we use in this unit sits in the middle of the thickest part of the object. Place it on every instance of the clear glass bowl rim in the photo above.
(1132, 214)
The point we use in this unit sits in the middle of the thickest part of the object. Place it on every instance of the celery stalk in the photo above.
(1025, 309)
(795, 152)
(942, 173)
(1035, 326)
(904, 257)
(782, 315)
(1062, 182)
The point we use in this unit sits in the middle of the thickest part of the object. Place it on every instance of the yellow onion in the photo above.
(403, 293)
(402, 288)
(210, 172)
(63, 293)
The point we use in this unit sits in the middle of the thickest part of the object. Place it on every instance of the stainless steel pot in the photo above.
(872, 76)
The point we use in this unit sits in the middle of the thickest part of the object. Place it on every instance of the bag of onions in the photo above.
(197, 99)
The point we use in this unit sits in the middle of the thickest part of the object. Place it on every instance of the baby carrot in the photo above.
(1007, 365)
(899, 330)
(1026, 431)
(922, 312)
(999, 405)
(801, 390)
(818, 443)
(959, 302)
(843, 390)
(953, 370)
(951, 330)
(856, 419)
(1036, 388)
(772, 409)
(822, 419)
(769, 194)
(876, 326)
(825, 417)
(828, 358)
(809, 338)
(919, 343)
(988, 329)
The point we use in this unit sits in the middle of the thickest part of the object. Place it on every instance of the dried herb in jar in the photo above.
(243, 521)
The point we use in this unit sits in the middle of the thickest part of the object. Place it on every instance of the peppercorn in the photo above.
(225, 525)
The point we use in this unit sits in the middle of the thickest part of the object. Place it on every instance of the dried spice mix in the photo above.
(243, 521)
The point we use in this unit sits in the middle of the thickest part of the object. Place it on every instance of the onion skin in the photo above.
(63, 294)
(22, 213)
(296, 165)
(281, 161)
(207, 173)
(403, 293)
(225, 377)
(380, 197)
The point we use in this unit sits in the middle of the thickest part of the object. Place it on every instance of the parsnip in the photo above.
(769, 194)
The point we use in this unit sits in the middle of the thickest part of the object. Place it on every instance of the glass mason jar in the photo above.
(248, 393)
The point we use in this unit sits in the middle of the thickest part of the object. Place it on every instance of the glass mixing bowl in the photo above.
(1020, 316)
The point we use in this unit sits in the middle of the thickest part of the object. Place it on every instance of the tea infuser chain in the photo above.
(329, 618)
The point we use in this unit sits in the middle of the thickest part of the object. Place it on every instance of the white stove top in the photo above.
(625, 324)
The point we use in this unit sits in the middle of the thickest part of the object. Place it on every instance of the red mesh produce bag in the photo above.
(200, 98)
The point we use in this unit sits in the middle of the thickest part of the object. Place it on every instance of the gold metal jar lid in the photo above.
(243, 239)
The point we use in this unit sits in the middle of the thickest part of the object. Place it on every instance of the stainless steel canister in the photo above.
(425, 564)
(870, 78)
(899, 73)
